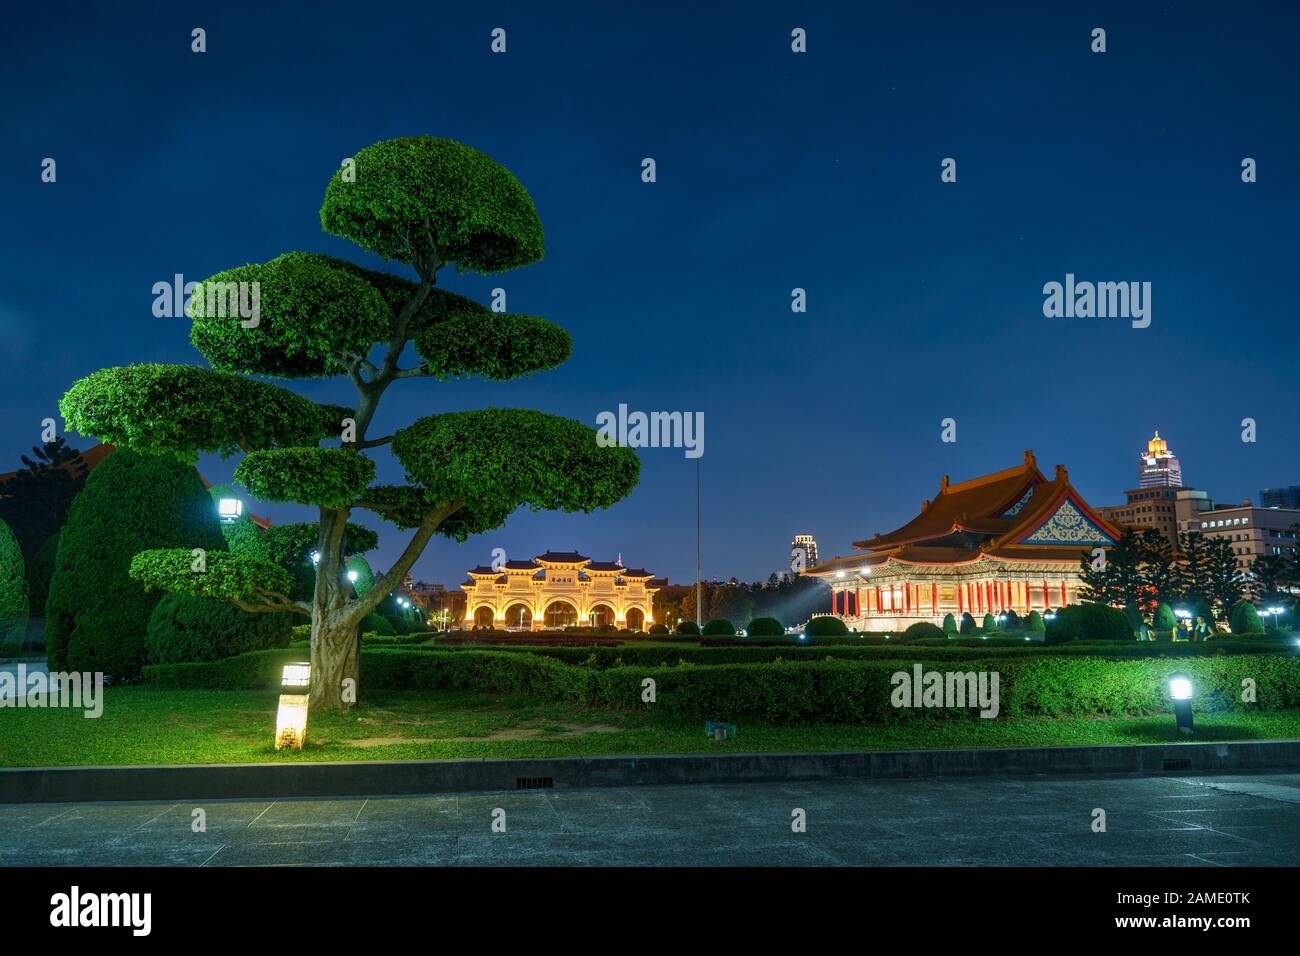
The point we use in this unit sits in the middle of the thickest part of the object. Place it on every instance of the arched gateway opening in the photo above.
(560, 614)
(519, 617)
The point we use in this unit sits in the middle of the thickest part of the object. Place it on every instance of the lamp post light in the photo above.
(1180, 689)
(291, 715)
(315, 557)
(352, 576)
(229, 509)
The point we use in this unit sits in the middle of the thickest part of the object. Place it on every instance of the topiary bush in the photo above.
(1035, 622)
(826, 626)
(13, 591)
(96, 616)
(689, 628)
(719, 627)
(766, 627)
(1013, 621)
(1089, 622)
(924, 630)
(949, 624)
(658, 629)
(1164, 619)
(374, 623)
(990, 623)
(967, 623)
(1244, 618)
(187, 628)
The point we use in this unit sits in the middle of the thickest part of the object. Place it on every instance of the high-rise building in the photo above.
(1252, 532)
(1147, 508)
(805, 543)
(1157, 466)
(1288, 497)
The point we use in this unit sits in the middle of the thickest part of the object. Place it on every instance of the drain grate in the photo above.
(1182, 763)
(534, 783)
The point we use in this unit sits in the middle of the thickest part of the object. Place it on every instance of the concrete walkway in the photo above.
(1219, 820)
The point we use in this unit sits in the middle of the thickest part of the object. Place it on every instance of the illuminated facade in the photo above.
(559, 589)
(1011, 540)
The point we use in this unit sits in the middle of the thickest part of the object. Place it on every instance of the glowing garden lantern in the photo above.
(229, 509)
(291, 716)
(1180, 689)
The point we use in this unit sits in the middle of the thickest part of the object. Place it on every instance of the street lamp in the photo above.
(352, 576)
(1180, 689)
(229, 509)
(315, 557)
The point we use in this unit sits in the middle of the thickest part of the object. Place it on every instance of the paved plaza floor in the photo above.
(1218, 820)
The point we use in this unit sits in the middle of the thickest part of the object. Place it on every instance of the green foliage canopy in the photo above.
(329, 477)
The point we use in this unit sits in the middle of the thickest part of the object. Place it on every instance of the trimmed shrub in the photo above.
(990, 623)
(923, 630)
(1035, 622)
(13, 591)
(374, 623)
(688, 628)
(1164, 619)
(1089, 622)
(949, 624)
(39, 572)
(1244, 618)
(96, 616)
(719, 627)
(826, 627)
(789, 691)
(1013, 620)
(658, 629)
(766, 627)
(365, 577)
(187, 628)
(967, 623)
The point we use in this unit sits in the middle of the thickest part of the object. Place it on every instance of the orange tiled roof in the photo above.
(972, 505)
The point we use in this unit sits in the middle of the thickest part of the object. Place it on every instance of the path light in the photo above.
(315, 557)
(740, 632)
(352, 576)
(229, 509)
(291, 715)
(1180, 689)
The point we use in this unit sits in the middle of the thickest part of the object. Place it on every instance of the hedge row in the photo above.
(832, 691)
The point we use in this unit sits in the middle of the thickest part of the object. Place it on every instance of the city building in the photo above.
(805, 543)
(1147, 508)
(1253, 532)
(559, 589)
(1157, 466)
(1011, 540)
(1288, 497)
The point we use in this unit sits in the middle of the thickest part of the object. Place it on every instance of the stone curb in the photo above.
(374, 778)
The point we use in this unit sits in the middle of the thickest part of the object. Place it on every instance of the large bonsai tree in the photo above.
(427, 203)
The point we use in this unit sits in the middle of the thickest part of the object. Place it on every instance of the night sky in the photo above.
(775, 171)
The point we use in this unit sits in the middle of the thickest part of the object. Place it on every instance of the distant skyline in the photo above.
(775, 171)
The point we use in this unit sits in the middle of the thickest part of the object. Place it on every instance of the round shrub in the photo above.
(187, 628)
(1035, 622)
(1089, 622)
(826, 626)
(374, 623)
(658, 629)
(949, 624)
(1244, 619)
(688, 628)
(967, 624)
(766, 627)
(719, 627)
(990, 623)
(1013, 620)
(96, 616)
(923, 630)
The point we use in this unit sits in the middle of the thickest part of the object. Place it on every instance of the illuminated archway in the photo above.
(560, 614)
(636, 619)
(600, 615)
(519, 617)
(484, 617)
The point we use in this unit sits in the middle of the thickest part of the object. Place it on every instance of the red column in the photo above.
(934, 598)
(1046, 602)
(857, 602)
(960, 588)
(1062, 594)
(907, 596)
(879, 608)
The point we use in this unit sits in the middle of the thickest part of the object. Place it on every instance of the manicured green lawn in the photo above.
(142, 725)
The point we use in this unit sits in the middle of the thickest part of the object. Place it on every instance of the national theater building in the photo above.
(1011, 540)
(559, 589)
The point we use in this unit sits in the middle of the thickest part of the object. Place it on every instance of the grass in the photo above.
(142, 725)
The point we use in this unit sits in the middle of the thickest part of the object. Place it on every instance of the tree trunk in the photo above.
(335, 675)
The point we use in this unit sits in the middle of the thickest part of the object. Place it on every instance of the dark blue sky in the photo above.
(775, 170)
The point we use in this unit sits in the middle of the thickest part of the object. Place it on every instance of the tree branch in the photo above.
(393, 577)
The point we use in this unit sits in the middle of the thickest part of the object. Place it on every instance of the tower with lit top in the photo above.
(1157, 466)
